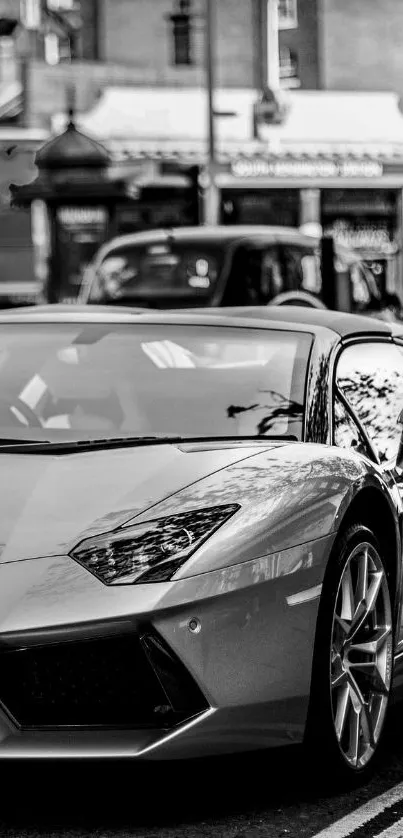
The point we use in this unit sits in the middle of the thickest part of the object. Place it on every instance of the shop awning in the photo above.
(165, 123)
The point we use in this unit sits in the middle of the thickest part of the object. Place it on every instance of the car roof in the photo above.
(214, 234)
(220, 234)
(340, 322)
(65, 308)
(294, 318)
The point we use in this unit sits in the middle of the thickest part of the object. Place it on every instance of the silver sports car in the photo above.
(200, 533)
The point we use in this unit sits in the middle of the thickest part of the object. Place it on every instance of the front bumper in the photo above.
(91, 671)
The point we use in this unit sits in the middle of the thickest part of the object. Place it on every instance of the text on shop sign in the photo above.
(306, 168)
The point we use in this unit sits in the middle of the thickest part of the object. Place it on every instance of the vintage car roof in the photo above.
(298, 318)
(214, 233)
(221, 234)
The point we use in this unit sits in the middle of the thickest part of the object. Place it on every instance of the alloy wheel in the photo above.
(361, 655)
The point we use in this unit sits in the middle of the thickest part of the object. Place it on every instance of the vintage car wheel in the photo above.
(353, 659)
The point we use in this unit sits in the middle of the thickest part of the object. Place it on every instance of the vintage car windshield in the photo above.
(86, 381)
(159, 270)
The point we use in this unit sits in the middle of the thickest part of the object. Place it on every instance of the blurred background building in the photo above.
(308, 130)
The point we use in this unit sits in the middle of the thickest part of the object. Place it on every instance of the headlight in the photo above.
(149, 552)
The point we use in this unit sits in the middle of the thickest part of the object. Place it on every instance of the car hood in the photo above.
(50, 502)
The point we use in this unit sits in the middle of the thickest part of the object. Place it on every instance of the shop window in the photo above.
(287, 14)
(273, 207)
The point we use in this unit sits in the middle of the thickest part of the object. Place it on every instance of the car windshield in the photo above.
(158, 271)
(68, 381)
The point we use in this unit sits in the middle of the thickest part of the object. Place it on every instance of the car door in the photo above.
(368, 400)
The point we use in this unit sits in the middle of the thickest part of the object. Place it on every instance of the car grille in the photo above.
(108, 682)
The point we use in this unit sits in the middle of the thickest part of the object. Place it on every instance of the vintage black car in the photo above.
(221, 266)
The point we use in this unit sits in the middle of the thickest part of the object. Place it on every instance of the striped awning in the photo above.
(126, 150)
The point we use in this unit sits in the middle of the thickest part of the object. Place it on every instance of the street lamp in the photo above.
(211, 195)
(273, 53)
(210, 69)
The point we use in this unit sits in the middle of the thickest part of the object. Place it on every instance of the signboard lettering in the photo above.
(367, 236)
(261, 167)
(72, 216)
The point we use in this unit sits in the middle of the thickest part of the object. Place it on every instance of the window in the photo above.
(189, 270)
(346, 433)
(287, 14)
(301, 268)
(370, 376)
(255, 276)
(52, 48)
(62, 5)
(289, 68)
(181, 31)
(77, 381)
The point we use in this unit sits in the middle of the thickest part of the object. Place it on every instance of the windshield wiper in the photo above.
(39, 446)
(8, 440)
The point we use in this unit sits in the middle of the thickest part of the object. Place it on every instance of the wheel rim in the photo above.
(361, 655)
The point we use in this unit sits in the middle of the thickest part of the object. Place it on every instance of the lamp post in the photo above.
(210, 71)
(273, 53)
(211, 195)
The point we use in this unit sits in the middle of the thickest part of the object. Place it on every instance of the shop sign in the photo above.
(82, 216)
(374, 237)
(260, 167)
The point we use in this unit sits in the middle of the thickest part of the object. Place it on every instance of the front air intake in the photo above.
(112, 682)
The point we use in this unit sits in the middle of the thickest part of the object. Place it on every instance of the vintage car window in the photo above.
(346, 432)
(88, 380)
(301, 268)
(361, 293)
(259, 273)
(135, 273)
(370, 376)
(255, 276)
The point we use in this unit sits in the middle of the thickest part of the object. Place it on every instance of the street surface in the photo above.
(269, 796)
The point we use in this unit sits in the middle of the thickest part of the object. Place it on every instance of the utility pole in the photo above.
(273, 52)
(210, 71)
(211, 194)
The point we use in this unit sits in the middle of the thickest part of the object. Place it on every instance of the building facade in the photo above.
(117, 55)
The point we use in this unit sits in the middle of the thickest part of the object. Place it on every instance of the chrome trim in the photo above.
(304, 596)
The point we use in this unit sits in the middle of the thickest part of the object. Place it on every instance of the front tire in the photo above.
(353, 659)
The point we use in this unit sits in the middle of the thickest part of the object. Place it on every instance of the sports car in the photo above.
(200, 533)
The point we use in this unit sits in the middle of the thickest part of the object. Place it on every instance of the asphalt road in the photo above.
(266, 796)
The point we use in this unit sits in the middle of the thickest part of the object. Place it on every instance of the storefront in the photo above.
(358, 201)
(334, 163)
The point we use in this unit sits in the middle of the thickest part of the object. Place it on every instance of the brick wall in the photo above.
(88, 78)
(362, 44)
(89, 32)
(9, 8)
(137, 33)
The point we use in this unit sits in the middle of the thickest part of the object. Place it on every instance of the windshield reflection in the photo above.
(70, 382)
